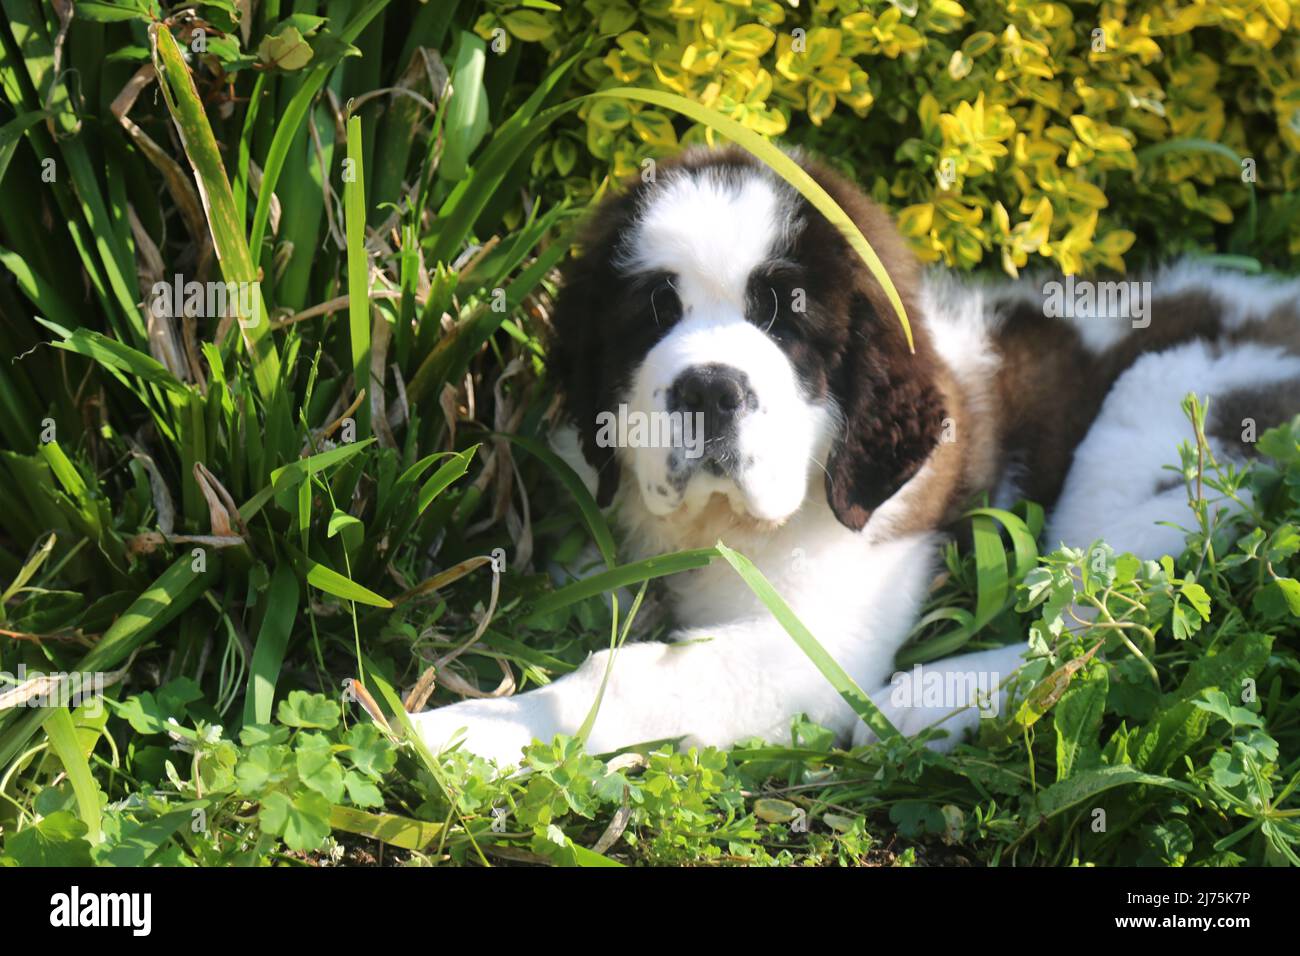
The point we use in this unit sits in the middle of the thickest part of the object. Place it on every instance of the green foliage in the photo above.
(1002, 133)
(252, 532)
(1165, 688)
(226, 498)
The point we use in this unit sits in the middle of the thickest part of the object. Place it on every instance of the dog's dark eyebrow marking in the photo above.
(778, 264)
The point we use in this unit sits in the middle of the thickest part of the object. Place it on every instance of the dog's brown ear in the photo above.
(576, 359)
(889, 396)
(893, 415)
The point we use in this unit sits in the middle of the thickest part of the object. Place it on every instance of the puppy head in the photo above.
(718, 336)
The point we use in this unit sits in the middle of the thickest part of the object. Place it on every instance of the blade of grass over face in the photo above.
(531, 121)
(354, 202)
(783, 166)
(844, 685)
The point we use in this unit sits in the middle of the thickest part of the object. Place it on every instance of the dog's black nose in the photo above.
(720, 393)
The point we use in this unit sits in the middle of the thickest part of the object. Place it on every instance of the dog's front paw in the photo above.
(493, 729)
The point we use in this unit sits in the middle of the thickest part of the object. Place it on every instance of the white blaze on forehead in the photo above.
(710, 228)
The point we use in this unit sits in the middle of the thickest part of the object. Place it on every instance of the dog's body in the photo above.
(833, 456)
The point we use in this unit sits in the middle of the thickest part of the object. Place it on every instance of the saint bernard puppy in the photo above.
(834, 457)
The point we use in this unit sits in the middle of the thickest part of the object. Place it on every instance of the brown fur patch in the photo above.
(1047, 394)
(894, 400)
(1051, 386)
(1237, 419)
(1235, 415)
(1175, 319)
(1280, 327)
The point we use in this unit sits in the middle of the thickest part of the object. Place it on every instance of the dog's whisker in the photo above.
(776, 307)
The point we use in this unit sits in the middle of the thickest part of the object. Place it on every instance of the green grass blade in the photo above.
(993, 583)
(619, 577)
(331, 582)
(354, 202)
(157, 606)
(12, 132)
(33, 564)
(844, 685)
(237, 264)
(1022, 535)
(616, 640)
(240, 186)
(512, 139)
(115, 356)
(286, 477)
(943, 645)
(64, 742)
(272, 641)
(402, 832)
(108, 262)
(467, 110)
(453, 353)
(444, 476)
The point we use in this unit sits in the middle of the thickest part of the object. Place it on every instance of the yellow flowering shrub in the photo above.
(1000, 132)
